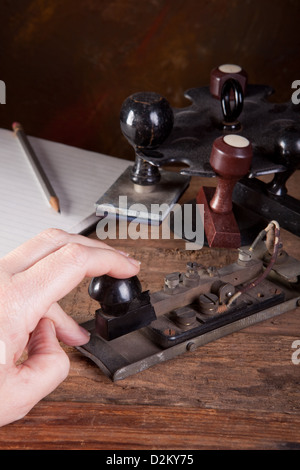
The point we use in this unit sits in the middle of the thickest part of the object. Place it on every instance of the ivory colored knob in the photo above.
(220, 74)
(230, 158)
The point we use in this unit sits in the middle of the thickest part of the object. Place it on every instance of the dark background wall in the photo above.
(68, 65)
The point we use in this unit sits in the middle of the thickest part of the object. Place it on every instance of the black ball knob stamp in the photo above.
(124, 307)
(146, 120)
(287, 153)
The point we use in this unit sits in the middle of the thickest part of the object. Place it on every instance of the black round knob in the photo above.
(287, 147)
(113, 294)
(286, 153)
(146, 119)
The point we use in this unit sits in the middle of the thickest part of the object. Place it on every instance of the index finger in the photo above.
(54, 276)
(41, 246)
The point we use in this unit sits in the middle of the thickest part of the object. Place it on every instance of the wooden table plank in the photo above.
(95, 426)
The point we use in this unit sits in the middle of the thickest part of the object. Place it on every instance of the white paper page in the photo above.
(79, 177)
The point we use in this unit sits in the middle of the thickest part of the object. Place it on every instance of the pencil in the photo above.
(38, 170)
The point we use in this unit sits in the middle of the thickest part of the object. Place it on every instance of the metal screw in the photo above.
(172, 280)
(208, 303)
(192, 269)
(184, 316)
(191, 346)
(244, 255)
(212, 271)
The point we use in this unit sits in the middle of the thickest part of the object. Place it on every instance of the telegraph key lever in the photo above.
(124, 307)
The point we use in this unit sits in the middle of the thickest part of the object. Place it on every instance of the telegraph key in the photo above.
(134, 330)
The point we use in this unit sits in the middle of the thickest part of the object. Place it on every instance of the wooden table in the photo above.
(240, 392)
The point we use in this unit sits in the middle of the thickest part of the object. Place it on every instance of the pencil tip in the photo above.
(54, 202)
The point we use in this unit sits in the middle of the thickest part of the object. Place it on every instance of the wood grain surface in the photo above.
(240, 392)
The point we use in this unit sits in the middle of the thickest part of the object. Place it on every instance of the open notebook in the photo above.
(79, 178)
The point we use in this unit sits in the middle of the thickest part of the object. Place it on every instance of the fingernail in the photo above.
(123, 253)
(85, 332)
(52, 326)
(135, 262)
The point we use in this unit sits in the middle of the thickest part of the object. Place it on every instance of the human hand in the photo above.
(33, 278)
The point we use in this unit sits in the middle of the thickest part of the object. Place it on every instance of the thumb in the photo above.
(25, 385)
(47, 364)
(46, 367)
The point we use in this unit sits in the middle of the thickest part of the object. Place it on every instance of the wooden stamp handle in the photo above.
(230, 158)
(221, 74)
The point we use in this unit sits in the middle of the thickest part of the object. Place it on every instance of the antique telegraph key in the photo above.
(133, 330)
